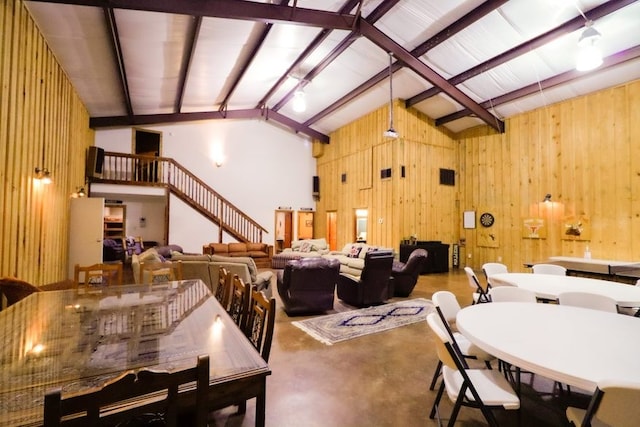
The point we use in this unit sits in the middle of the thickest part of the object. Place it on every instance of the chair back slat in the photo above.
(158, 272)
(239, 301)
(261, 322)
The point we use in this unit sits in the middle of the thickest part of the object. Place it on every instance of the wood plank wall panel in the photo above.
(585, 152)
(43, 123)
(416, 204)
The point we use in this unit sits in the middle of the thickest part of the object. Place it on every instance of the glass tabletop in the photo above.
(78, 339)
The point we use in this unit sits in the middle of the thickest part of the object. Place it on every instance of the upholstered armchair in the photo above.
(372, 287)
(404, 276)
(307, 285)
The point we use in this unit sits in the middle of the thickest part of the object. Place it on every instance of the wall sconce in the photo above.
(547, 198)
(43, 175)
(79, 192)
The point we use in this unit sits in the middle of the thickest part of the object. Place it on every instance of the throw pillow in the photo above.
(305, 247)
(354, 251)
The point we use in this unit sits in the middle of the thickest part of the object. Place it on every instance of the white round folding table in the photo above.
(549, 286)
(572, 345)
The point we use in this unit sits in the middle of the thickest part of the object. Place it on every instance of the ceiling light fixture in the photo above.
(391, 132)
(589, 55)
(547, 198)
(299, 100)
(43, 175)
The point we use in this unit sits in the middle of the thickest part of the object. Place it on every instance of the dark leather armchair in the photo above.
(404, 276)
(372, 287)
(308, 285)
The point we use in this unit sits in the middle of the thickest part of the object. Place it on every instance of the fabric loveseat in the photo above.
(261, 253)
(308, 248)
(207, 267)
(352, 257)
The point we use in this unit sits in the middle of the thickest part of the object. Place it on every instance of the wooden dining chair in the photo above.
(223, 287)
(485, 389)
(100, 274)
(13, 290)
(614, 403)
(239, 301)
(158, 272)
(129, 396)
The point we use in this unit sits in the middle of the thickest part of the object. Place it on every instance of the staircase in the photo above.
(130, 169)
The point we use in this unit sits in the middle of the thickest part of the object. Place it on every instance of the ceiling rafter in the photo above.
(568, 27)
(229, 9)
(192, 42)
(609, 61)
(110, 20)
(382, 8)
(432, 42)
(423, 70)
(254, 113)
(322, 36)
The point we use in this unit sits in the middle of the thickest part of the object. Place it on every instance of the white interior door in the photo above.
(86, 219)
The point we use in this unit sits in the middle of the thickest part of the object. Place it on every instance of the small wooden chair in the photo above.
(140, 392)
(13, 290)
(239, 301)
(223, 287)
(98, 274)
(158, 272)
(260, 322)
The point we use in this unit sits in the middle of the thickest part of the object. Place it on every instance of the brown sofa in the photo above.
(261, 253)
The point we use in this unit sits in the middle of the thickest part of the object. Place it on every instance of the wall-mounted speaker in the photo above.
(447, 177)
(94, 162)
(316, 188)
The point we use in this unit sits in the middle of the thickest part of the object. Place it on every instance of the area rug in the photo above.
(334, 328)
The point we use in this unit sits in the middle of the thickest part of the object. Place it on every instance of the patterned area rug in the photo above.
(338, 327)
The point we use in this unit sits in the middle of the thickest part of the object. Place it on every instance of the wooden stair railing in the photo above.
(130, 169)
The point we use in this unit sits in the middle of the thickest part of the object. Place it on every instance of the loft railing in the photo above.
(130, 169)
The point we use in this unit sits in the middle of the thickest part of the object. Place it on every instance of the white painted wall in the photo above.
(264, 167)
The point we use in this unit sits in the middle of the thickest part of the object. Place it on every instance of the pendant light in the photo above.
(391, 132)
(589, 56)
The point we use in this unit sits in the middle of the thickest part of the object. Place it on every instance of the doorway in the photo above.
(361, 225)
(305, 225)
(149, 144)
(284, 230)
(332, 230)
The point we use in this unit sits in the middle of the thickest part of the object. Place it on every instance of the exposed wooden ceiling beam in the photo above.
(110, 21)
(229, 9)
(192, 42)
(526, 47)
(609, 61)
(255, 113)
(423, 48)
(423, 70)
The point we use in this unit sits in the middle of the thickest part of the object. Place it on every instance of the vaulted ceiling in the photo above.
(462, 63)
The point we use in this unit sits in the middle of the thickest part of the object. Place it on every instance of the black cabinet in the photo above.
(437, 258)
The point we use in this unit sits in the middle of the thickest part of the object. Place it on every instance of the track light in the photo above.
(43, 175)
(589, 56)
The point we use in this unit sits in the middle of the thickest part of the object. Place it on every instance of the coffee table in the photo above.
(572, 345)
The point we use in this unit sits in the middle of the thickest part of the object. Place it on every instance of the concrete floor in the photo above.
(376, 380)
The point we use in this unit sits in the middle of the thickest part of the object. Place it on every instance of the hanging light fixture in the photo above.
(589, 56)
(299, 100)
(391, 132)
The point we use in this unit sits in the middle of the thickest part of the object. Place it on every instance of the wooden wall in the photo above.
(398, 207)
(43, 123)
(585, 152)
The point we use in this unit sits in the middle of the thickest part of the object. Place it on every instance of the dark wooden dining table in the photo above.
(79, 339)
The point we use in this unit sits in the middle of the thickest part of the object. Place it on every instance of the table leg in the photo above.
(261, 404)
